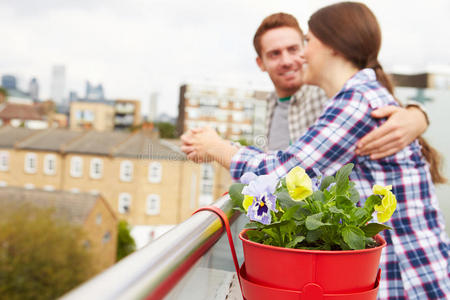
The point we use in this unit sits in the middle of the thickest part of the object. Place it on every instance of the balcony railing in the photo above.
(161, 269)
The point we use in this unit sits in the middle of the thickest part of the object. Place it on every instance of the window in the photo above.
(96, 169)
(193, 113)
(106, 237)
(237, 104)
(30, 163)
(49, 188)
(4, 161)
(153, 205)
(154, 172)
(193, 101)
(98, 219)
(223, 128)
(221, 115)
(124, 203)
(206, 184)
(223, 103)
(3, 184)
(50, 164)
(87, 244)
(76, 166)
(29, 186)
(126, 170)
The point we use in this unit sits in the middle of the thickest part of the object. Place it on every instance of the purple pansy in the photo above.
(316, 181)
(261, 188)
(331, 185)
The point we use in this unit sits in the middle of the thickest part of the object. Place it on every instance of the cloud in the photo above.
(137, 47)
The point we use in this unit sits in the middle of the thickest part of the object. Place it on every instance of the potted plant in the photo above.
(309, 236)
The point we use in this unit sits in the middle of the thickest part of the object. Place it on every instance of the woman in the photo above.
(341, 57)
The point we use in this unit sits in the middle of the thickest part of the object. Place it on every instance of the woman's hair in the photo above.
(351, 29)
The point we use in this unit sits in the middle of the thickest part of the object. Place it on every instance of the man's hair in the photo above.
(271, 22)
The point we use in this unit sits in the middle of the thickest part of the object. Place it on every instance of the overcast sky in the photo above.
(137, 47)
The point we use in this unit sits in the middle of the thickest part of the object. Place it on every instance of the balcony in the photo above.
(192, 261)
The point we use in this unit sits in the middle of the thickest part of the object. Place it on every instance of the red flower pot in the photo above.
(333, 272)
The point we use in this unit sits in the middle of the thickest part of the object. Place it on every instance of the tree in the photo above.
(125, 242)
(3, 94)
(166, 130)
(41, 256)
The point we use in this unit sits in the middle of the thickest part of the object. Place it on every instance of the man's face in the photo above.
(280, 49)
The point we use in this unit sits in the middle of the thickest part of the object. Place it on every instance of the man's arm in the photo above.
(402, 127)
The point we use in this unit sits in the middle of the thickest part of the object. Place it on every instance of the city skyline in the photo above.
(139, 48)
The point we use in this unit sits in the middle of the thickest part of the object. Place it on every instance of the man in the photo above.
(294, 107)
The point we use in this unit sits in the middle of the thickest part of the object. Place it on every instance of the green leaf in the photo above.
(255, 235)
(342, 181)
(313, 235)
(297, 240)
(319, 196)
(371, 202)
(326, 182)
(276, 238)
(354, 194)
(254, 225)
(288, 227)
(236, 196)
(314, 221)
(289, 213)
(284, 200)
(354, 237)
(336, 210)
(276, 224)
(359, 214)
(344, 202)
(372, 229)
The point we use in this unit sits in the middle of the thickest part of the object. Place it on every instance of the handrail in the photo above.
(151, 272)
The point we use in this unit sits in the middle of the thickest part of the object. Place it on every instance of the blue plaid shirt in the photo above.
(415, 264)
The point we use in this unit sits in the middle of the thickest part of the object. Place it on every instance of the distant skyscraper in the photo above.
(9, 82)
(94, 92)
(73, 96)
(33, 89)
(58, 83)
(153, 113)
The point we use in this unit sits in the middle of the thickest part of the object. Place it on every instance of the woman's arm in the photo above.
(204, 144)
(328, 145)
(403, 126)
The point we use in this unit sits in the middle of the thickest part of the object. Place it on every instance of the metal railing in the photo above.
(151, 272)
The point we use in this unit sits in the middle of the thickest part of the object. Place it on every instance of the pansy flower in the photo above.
(316, 181)
(259, 199)
(388, 203)
(299, 184)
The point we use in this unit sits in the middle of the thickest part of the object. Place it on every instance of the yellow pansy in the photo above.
(248, 200)
(299, 184)
(388, 203)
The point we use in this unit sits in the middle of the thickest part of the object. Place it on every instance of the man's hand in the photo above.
(402, 127)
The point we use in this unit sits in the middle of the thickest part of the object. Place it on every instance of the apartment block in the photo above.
(127, 113)
(236, 113)
(145, 180)
(98, 115)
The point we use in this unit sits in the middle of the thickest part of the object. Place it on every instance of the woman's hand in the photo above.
(196, 143)
(205, 145)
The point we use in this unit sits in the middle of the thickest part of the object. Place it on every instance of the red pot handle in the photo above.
(225, 223)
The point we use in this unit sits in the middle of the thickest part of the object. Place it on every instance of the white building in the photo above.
(58, 83)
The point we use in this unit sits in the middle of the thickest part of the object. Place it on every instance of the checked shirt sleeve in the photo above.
(327, 145)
